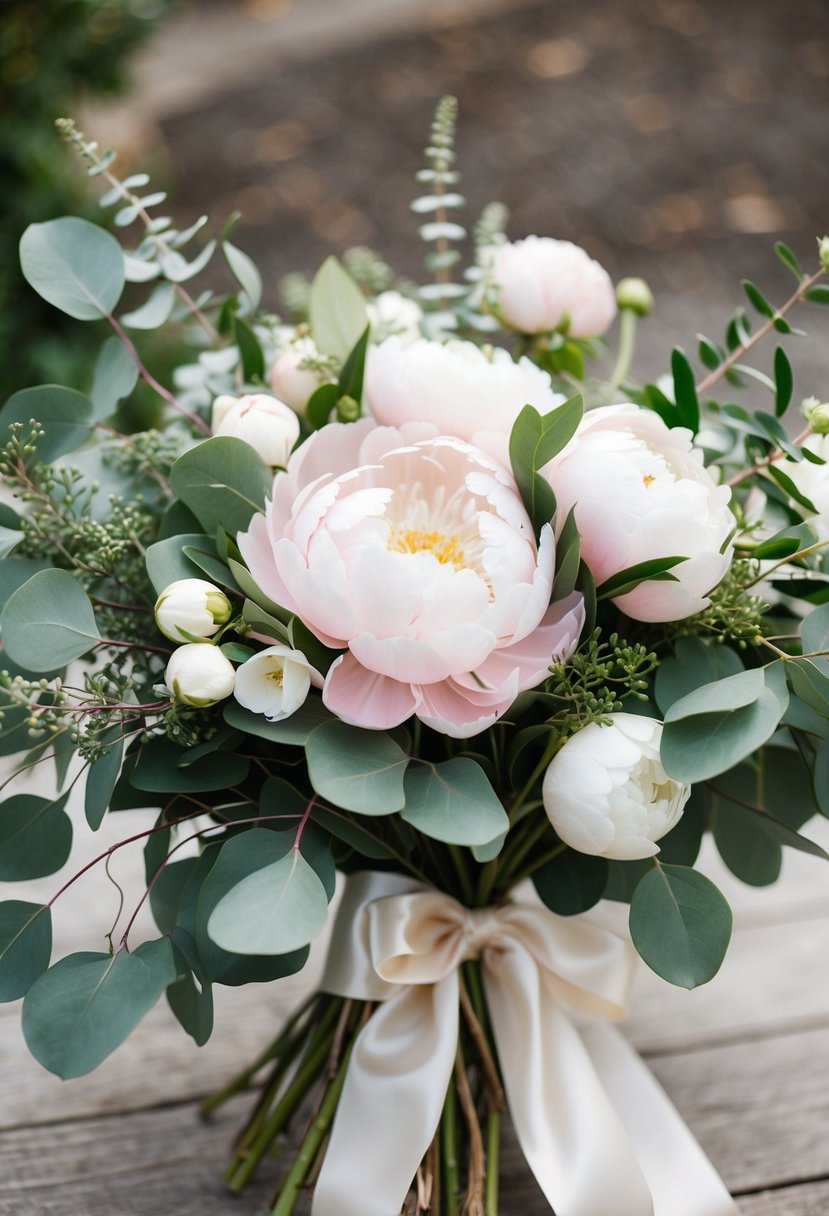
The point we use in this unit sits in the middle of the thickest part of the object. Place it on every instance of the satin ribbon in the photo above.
(600, 1135)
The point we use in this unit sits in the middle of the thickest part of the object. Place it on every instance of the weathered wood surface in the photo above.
(746, 1060)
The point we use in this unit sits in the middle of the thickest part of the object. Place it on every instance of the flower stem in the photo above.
(627, 345)
(449, 1150)
(493, 1151)
(310, 1146)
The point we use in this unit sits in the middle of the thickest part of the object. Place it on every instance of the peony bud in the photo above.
(292, 378)
(606, 792)
(816, 414)
(264, 422)
(191, 608)
(539, 285)
(635, 296)
(199, 674)
(274, 682)
(394, 315)
(823, 251)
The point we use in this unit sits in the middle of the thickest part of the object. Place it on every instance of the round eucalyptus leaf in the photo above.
(453, 802)
(680, 924)
(66, 417)
(84, 1007)
(223, 481)
(277, 909)
(35, 837)
(572, 882)
(25, 946)
(75, 265)
(358, 770)
(48, 622)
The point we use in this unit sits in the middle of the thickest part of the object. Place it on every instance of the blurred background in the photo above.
(674, 139)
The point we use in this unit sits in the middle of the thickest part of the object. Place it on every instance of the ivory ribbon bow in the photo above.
(599, 1133)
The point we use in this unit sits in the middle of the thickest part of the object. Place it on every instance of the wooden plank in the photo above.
(811, 1199)
(761, 1117)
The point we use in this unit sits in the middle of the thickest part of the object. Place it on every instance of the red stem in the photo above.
(150, 379)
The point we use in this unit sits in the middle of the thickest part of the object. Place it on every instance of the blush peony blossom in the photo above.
(260, 420)
(274, 682)
(539, 284)
(414, 554)
(293, 377)
(394, 315)
(464, 391)
(641, 491)
(607, 793)
(812, 480)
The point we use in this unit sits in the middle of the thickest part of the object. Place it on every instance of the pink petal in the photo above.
(363, 698)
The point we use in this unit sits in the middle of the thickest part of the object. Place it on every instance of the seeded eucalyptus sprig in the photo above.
(441, 296)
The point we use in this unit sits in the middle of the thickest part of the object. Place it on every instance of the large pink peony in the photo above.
(414, 554)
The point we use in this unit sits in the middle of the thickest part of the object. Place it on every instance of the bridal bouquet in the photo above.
(412, 617)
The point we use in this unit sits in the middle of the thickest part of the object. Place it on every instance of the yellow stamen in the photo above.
(447, 549)
(648, 479)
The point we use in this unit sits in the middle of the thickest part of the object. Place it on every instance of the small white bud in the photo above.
(191, 608)
(266, 423)
(823, 251)
(199, 674)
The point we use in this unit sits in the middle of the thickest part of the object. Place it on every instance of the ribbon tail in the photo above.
(570, 1134)
(682, 1180)
(391, 1103)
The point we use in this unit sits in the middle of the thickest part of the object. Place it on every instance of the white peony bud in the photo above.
(641, 492)
(199, 674)
(274, 682)
(607, 793)
(634, 295)
(539, 285)
(265, 423)
(191, 608)
(393, 315)
(812, 480)
(293, 381)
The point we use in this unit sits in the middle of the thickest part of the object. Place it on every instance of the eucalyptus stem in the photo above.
(449, 1151)
(319, 1047)
(317, 1132)
(493, 1154)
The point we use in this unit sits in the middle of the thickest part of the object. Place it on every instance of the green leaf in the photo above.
(358, 835)
(453, 802)
(680, 924)
(254, 593)
(750, 854)
(10, 538)
(167, 562)
(48, 622)
(275, 910)
(809, 679)
(294, 731)
(713, 728)
(783, 380)
(693, 664)
(534, 440)
(263, 623)
(100, 782)
(821, 778)
(159, 768)
(358, 770)
(756, 297)
(572, 882)
(250, 351)
(74, 265)
(35, 836)
(790, 259)
(818, 294)
(223, 481)
(783, 544)
(191, 997)
(814, 632)
(320, 404)
(66, 417)
(351, 377)
(245, 273)
(25, 946)
(627, 580)
(336, 310)
(114, 378)
(84, 1007)
(155, 311)
(568, 558)
(204, 556)
(685, 393)
(710, 354)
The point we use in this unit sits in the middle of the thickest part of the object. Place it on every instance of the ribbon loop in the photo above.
(578, 1106)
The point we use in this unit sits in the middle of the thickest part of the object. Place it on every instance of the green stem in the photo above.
(449, 1151)
(309, 1070)
(307, 1154)
(243, 1080)
(493, 1150)
(538, 862)
(463, 873)
(627, 344)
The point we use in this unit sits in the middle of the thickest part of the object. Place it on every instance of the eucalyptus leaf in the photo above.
(572, 882)
(84, 1006)
(100, 782)
(275, 910)
(155, 311)
(159, 769)
(223, 481)
(74, 265)
(65, 416)
(35, 836)
(167, 562)
(48, 622)
(693, 664)
(294, 731)
(336, 310)
(191, 996)
(358, 770)
(25, 946)
(245, 273)
(114, 378)
(680, 924)
(453, 802)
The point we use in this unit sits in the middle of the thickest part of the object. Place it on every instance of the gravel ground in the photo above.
(676, 139)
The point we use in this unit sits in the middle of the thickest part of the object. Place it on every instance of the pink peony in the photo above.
(641, 491)
(415, 555)
(539, 283)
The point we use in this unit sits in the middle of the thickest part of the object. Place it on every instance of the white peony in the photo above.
(394, 315)
(274, 682)
(199, 674)
(292, 377)
(641, 491)
(539, 285)
(191, 608)
(265, 423)
(607, 793)
(812, 480)
(464, 391)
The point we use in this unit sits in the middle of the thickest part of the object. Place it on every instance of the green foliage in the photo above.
(337, 310)
(358, 770)
(598, 678)
(453, 802)
(48, 622)
(534, 440)
(74, 265)
(25, 946)
(680, 924)
(84, 1006)
(277, 909)
(223, 481)
(571, 882)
